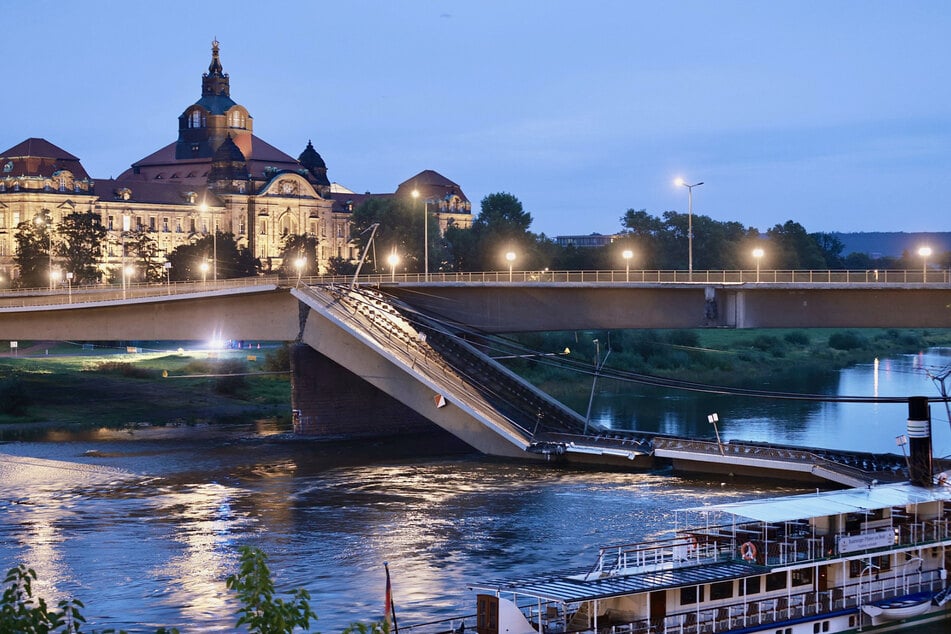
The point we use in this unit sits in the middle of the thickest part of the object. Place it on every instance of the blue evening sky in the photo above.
(834, 114)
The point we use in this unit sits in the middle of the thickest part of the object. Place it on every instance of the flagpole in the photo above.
(389, 610)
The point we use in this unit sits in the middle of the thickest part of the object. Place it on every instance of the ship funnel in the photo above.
(919, 441)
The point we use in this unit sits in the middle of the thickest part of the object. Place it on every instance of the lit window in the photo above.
(196, 119)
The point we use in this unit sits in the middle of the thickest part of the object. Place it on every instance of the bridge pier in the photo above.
(332, 402)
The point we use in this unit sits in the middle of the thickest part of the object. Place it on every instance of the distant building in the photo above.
(217, 173)
(585, 242)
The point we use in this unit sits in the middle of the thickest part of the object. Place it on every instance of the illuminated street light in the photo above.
(69, 286)
(682, 183)
(758, 254)
(425, 236)
(204, 272)
(393, 259)
(299, 263)
(40, 221)
(510, 256)
(627, 255)
(214, 241)
(924, 252)
(127, 272)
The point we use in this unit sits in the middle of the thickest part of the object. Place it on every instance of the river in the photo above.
(143, 525)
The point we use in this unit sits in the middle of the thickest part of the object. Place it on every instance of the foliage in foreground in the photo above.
(261, 612)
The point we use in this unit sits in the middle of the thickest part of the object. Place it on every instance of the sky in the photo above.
(834, 114)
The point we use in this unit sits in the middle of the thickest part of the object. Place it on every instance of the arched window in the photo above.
(195, 121)
(237, 119)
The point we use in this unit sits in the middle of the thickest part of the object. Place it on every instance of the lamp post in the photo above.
(924, 252)
(214, 241)
(204, 272)
(425, 235)
(300, 262)
(127, 272)
(758, 255)
(682, 183)
(40, 221)
(510, 256)
(69, 286)
(627, 255)
(168, 277)
(393, 259)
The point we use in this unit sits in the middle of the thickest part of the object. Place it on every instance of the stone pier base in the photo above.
(331, 401)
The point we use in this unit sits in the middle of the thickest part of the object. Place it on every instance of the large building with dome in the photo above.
(217, 173)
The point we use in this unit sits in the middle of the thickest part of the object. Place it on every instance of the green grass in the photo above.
(115, 389)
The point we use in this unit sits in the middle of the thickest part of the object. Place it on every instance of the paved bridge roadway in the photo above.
(489, 408)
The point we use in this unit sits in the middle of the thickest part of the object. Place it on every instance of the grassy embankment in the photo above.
(747, 358)
(64, 384)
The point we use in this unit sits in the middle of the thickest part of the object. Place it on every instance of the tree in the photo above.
(143, 248)
(502, 225)
(294, 247)
(400, 230)
(82, 238)
(260, 611)
(233, 261)
(831, 248)
(794, 248)
(32, 255)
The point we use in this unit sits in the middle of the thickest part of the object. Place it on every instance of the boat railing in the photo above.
(657, 555)
(777, 609)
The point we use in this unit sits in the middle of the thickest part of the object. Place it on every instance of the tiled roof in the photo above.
(39, 157)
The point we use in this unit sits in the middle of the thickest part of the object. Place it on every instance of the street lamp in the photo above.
(168, 277)
(204, 272)
(627, 255)
(924, 252)
(214, 241)
(393, 259)
(758, 254)
(300, 262)
(682, 183)
(40, 221)
(425, 235)
(510, 256)
(127, 272)
(69, 286)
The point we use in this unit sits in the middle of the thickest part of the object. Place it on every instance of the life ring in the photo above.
(748, 551)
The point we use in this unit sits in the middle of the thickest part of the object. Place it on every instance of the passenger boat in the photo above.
(867, 559)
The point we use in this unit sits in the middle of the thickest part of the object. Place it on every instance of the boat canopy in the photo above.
(799, 507)
(572, 588)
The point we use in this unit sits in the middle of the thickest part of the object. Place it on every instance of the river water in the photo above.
(143, 525)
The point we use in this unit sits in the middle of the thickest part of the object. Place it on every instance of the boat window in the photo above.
(688, 595)
(721, 590)
(802, 577)
(775, 581)
(751, 585)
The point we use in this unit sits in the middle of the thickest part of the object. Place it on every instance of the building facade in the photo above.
(216, 174)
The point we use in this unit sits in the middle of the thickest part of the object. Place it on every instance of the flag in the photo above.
(389, 610)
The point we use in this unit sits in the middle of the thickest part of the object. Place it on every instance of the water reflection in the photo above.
(144, 525)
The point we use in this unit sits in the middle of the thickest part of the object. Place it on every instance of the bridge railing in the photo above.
(64, 294)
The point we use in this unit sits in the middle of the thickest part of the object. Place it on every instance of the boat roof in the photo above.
(859, 500)
(569, 588)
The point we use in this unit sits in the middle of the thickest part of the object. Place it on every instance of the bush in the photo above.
(686, 338)
(14, 399)
(847, 340)
(771, 344)
(797, 338)
(126, 369)
(232, 379)
(279, 360)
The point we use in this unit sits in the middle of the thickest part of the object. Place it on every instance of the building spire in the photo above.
(215, 82)
(215, 67)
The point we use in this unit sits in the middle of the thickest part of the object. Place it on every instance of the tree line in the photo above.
(79, 245)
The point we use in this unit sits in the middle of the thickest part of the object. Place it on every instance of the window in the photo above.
(775, 581)
(721, 590)
(241, 226)
(691, 594)
(263, 231)
(165, 224)
(152, 223)
(196, 119)
(802, 577)
(751, 585)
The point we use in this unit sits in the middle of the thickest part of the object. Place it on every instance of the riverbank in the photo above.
(757, 359)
